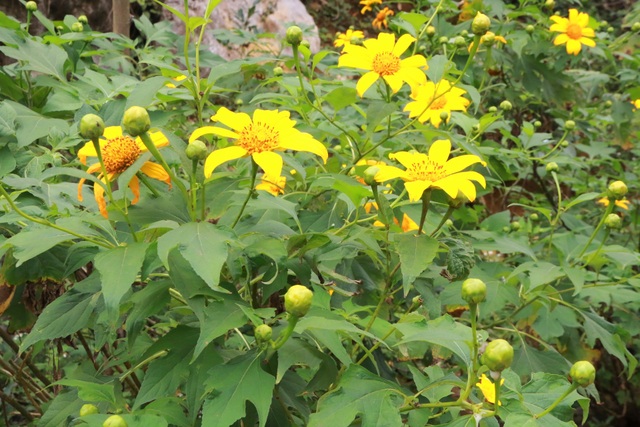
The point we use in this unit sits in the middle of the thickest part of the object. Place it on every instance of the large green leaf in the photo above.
(416, 253)
(33, 241)
(31, 125)
(47, 59)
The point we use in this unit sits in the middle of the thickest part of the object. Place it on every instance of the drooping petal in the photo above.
(459, 163)
(270, 162)
(366, 81)
(300, 141)
(472, 176)
(413, 76)
(159, 139)
(236, 121)
(449, 185)
(212, 130)
(439, 151)
(134, 185)
(403, 44)
(218, 157)
(98, 193)
(408, 224)
(80, 184)
(416, 188)
(386, 173)
(155, 171)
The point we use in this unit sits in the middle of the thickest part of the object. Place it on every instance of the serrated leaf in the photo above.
(416, 253)
(460, 258)
(48, 59)
(32, 241)
(92, 391)
(164, 375)
(31, 125)
(216, 319)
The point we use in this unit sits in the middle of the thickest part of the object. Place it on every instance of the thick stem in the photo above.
(426, 198)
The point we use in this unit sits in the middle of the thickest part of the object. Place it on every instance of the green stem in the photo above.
(426, 198)
(286, 334)
(597, 251)
(254, 172)
(444, 219)
(496, 387)
(425, 26)
(147, 184)
(193, 191)
(570, 390)
(595, 232)
(143, 363)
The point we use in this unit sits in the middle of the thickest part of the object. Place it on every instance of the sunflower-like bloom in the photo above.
(367, 5)
(120, 151)
(622, 203)
(274, 186)
(259, 137)
(381, 18)
(434, 171)
(487, 388)
(430, 100)
(575, 31)
(345, 39)
(381, 57)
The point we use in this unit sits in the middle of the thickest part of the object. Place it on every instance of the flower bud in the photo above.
(617, 190)
(608, 103)
(569, 125)
(530, 29)
(474, 291)
(480, 24)
(277, 71)
(489, 39)
(515, 225)
(537, 124)
(88, 409)
(498, 355)
(506, 106)
(448, 223)
(534, 217)
(564, 144)
(239, 102)
(417, 301)
(294, 35)
(464, 33)
(263, 333)
(297, 300)
(460, 42)
(613, 221)
(444, 116)
(114, 421)
(430, 31)
(551, 167)
(77, 27)
(83, 19)
(549, 4)
(493, 109)
(305, 43)
(91, 126)
(31, 6)
(443, 40)
(196, 150)
(583, 373)
(136, 121)
(610, 30)
(369, 175)
(635, 27)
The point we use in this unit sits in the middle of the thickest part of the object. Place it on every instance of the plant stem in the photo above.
(286, 334)
(595, 232)
(254, 172)
(426, 198)
(571, 388)
(443, 220)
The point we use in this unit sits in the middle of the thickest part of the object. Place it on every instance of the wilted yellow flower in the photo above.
(622, 203)
(274, 186)
(381, 18)
(430, 100)
(348, 37)
(367, 5)
(381, 57)
(575, 31)
(434, 171)
(487, 388)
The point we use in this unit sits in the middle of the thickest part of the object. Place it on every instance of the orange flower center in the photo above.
(386, 63)
(120, 153)
(438, 103)
(574, 31)
(259, 137)
(426, 170)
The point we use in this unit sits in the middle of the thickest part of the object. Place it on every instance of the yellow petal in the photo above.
(394, 82)
(403, 44)
(88, 150)
(573, 15)
(112, 132)
(417, 61)
(80, 183)
(365, 82)
(155, 171)
(587, 42)
(212, 130)
(588, 32)
(159, 139)
(236, 121)
(408, 224)
(270, 162)
(461, 162)
(416, 188)
(560, 39)
(386, 42)
(218, 157)
(386, 173)
(573, 47)
(560, 28)
(407, 158)
(301, 141)
(471, 176)
(583, 19)
(413, 76)
(134, 185)
(98, 193)
(439, 151)
(356, 57)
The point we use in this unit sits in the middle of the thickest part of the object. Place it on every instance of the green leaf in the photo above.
(118, 269)
(360, 393)
(47, 59)
(92, 391)
(7, 120)
(145, 92)
(203, 245)
(164, 375)
(416, 254)
(33, 241)
(460, 258)
(341, 97)
(232, 385)
(217, 318)
(377, 111)
(595, 327)
(31, 125)
(63, 406)
(299, 352)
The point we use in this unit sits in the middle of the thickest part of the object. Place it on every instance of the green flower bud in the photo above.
(83, 19)
(31, 6)
(617, 190)
(474, 291)
(498, 355)
(608, 103)
(277, 71)
(489, 39)
(297, 300)
(239, 101)
(196, 150)
(564, 144)
(549, 4)
(460, 42)
(464, 33)
(569, 125)
(530, 29)
(444, 116)
(294, 35)
(475, 128)
(59, 29)
(534, 217)
(506, 106)
(369, 175)
(551, 167)
(430, 31)
(305, 43)
(480, 24)
(448, 223)
(515, 225)
(635, 27)
(114, 421)
(417, 301)
(537, 123)
(583, 373)
(88, 409)
(263, 333)
(613, 221)
(136, 121)
(604, 23)
(443, 40)
(506, 229)
(91, 126)
(610, 30)
(77, 27)
(493, 109)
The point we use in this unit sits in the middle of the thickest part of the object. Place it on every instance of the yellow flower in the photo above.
(118, 153)
(487, 388)
(575, 31)
(487, 36)
(367, 5)
(434, 171)
(176, 79)
(407, 223)
(432, 99)
(259, 137)
(381, 57)
(271, 185)
(623, 203)
(636, 103)
(381, 18)
(348, 37)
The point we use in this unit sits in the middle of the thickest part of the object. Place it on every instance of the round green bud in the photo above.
(489, 39)
(537, 123)
(77, 27)
(59, 29)
(515, 225)
(417, 301)
(617, 190)
(551, 167)
(196, 150)
(277, 71)
(294, 35)
(297, 300)
(475, 128)
(305, 43)
(263, 333)
(498, 355)
(610, 30)
(448, 223)
(474, 291)
(443, 40)
(549, 4)
(564, 144)
(608, 103)
(530, 29)
(534, 217)
(583, 373)
(506, 106)
(91, 126)
(464, 33)
(369, 175)
(480, 24)
(460, 42)
(635, 27)
(444, 116)
(493, 109)
(430, 31)
(83, 19)
(239, 101)
(569, 125)
(31, 6)
(613, 221)
(136, 121)
(114, 421)
(506, 229)
(88, 409)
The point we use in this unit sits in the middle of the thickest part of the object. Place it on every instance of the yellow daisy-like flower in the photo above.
(381, 18)
(381, 57)
(434, 171)
(487, 388)
(367, 5)
(120, 151)
(259, 137)
(575, 31)
(348, 37)
(622, 203)
(274, 186)
(432, 99)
